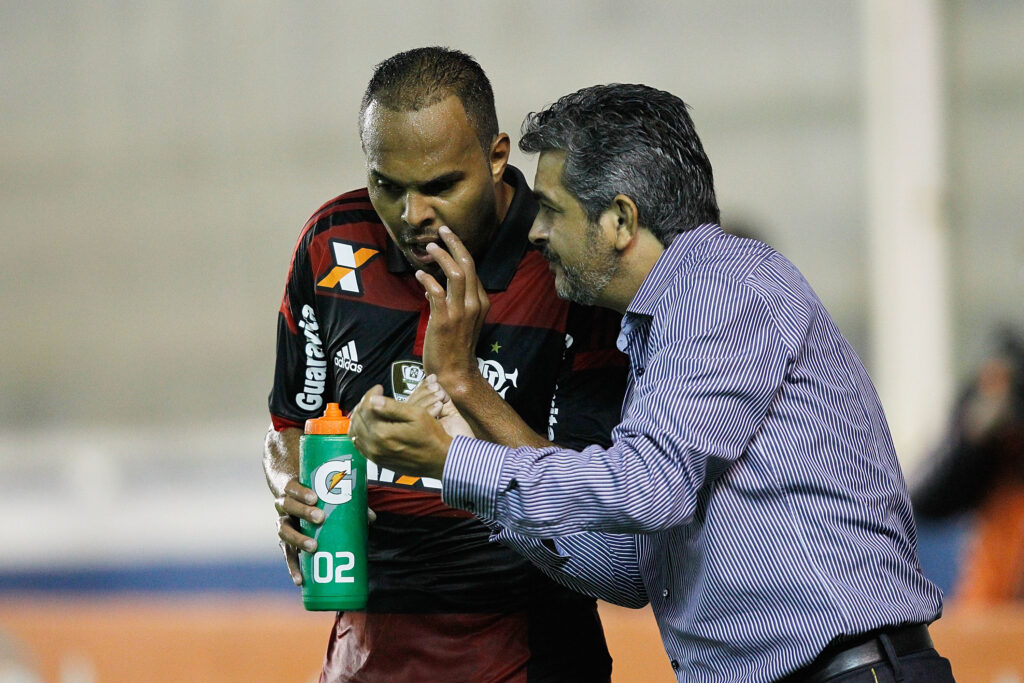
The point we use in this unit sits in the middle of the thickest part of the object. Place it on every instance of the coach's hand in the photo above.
(402, 437)
(456, 314)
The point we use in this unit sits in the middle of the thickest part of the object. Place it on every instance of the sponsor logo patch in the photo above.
(348, 260)
(347, 358)
(315, 375)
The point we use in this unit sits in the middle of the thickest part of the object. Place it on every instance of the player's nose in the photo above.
(417, 211)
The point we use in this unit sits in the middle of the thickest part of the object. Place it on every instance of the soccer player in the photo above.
(445, 603)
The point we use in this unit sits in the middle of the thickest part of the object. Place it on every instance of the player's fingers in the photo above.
(438, 391)
(455, 246)
(456, 278)
(294, 508)
(464, 260)
(434, 291)
(423, 397)
(291, 536)
(293, 489)
(485, 302)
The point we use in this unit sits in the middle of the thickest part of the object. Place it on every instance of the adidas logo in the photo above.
(347, 358)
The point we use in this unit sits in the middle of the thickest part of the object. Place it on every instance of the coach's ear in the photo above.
(622, 219)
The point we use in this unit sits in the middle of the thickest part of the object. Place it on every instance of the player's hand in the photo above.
(301, 501)
(402, 437)
(297, 502)
(457, 313)
(432, 397)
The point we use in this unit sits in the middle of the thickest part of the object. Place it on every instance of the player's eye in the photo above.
(439, 187)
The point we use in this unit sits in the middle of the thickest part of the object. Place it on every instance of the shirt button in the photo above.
(675, 664)
(664, 592)
(469, 506)
(639, 372)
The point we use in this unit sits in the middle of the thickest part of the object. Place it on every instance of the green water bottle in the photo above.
(334, 577)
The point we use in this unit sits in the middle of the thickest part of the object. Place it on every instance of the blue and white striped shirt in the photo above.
(751, 494)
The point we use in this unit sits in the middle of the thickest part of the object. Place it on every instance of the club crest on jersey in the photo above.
(497, 377)
(348, 260)
(405, 377)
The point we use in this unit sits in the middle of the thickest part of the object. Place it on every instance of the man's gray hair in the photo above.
(632, 140)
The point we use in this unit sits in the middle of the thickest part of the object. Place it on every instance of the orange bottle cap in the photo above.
(332, 422)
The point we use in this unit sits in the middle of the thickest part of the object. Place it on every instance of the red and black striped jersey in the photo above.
(353, 315)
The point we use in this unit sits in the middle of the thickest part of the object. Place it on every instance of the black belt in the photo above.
(905, 641)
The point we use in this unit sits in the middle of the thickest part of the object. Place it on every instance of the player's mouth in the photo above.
(417, 248)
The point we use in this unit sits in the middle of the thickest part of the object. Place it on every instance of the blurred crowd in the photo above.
(979, 471)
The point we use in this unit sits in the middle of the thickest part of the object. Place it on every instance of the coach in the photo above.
(752, 493)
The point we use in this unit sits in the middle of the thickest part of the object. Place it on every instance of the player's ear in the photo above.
(498, 157)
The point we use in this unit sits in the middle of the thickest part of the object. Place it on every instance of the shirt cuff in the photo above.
(470, 480)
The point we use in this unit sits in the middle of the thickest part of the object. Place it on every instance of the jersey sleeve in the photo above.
(591, 381)
(302, 373)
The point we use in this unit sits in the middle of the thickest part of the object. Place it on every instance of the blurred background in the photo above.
(157, 160)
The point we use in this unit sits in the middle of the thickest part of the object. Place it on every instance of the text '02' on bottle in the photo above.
(334, 577)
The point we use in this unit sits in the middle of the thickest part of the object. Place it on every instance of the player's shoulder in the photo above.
(351, 206)
(349, 215)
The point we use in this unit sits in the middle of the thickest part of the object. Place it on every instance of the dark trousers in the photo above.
(899, 656)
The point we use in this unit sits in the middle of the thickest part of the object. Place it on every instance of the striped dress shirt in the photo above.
(752, 493)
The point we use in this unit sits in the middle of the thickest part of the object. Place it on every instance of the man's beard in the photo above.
(583, 284)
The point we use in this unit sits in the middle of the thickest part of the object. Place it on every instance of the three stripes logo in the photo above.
(347, 358)
(348, 260)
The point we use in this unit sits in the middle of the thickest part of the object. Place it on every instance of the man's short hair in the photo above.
(632, 140)
(419, 78)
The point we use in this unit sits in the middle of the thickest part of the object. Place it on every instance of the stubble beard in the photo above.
(583, 284)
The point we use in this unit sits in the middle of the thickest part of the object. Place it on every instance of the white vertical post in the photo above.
(907, 232)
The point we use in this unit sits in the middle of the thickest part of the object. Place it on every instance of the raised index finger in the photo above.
(460, 254)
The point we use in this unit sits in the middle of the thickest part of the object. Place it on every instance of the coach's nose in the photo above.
(539, 232)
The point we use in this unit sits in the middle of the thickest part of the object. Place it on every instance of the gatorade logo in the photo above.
(332, 482)
(347, 262)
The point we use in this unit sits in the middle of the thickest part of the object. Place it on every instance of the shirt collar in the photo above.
(498, 264)
(666, 268)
